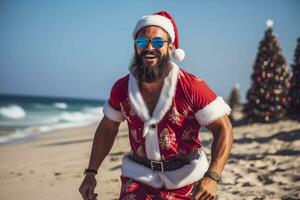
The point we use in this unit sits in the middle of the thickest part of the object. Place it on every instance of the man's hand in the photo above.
(206, 190)
(87, 187)
(104, 138)
(220, 150)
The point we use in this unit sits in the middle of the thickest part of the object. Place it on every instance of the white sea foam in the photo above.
(18, 135)
(94, 110)
(63, 126)
(73, 117)
(60, 105)
(21, 135)
(13, 112)
(63, 120)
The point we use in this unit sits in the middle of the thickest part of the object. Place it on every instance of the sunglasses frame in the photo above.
(150, 41)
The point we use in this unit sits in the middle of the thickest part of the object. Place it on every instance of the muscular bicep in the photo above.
(222, 123)
(108, 126)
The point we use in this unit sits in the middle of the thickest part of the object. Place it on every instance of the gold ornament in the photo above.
(166, 139)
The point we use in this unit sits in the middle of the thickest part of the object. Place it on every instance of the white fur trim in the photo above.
(167, 93)
(212, 111)
(112, 114)
(171, 179)
(178, 54)
(163, 105)
(155, 20)
(136, 99)
(152, 143)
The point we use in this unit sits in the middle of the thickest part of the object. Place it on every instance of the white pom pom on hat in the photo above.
(164, 20)
(178, 54)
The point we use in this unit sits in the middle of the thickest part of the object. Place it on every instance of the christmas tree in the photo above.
(267, 99)
(234, 101)
(234, 97)
(295, 84)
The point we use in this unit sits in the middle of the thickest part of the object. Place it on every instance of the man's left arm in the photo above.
(222, 142)
(220, 149)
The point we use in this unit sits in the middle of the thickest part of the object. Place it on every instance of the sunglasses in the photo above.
(156, 42)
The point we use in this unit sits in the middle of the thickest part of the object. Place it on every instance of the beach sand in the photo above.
(264, 164)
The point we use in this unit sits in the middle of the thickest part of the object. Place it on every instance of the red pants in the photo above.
(134, 190)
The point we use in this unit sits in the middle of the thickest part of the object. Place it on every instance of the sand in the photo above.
(264, 164)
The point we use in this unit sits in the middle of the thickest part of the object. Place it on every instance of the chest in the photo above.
(150, 99)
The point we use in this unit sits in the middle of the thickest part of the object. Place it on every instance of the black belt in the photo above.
(161, 166)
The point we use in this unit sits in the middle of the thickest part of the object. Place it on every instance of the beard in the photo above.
(147, 73)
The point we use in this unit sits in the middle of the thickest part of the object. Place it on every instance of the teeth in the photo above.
(150, 56)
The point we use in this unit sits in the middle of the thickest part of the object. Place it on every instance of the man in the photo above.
(164, 107)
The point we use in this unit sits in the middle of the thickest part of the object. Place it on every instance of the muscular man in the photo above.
(164, 107)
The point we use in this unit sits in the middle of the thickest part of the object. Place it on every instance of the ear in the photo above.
(171, 47)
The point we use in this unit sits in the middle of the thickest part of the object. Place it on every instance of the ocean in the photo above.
(24, 117)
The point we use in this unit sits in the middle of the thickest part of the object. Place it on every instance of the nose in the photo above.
(149, 46)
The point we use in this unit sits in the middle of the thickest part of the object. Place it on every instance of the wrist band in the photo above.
(213, 175)
(89, 170)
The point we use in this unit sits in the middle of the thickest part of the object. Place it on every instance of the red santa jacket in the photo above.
(186, 104)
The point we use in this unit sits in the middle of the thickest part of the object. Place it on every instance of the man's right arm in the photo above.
(103, 140)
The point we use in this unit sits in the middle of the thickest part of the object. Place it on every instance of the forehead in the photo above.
(151, 31)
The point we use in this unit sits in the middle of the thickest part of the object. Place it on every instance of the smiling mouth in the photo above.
(150, 57)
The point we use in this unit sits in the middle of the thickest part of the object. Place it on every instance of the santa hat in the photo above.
(166, 22)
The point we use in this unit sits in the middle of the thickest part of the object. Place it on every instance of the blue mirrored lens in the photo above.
(141, 42)
(157, 42)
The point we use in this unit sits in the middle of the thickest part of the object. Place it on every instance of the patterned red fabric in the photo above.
(178, 130)
(133, 190)
(118, 92)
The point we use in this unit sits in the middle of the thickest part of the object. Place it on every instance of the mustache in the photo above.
(155, 53)
(143, 72)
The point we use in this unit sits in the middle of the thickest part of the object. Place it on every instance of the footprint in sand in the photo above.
(114, 158)
(247, 184)
(116, 167)
(266, 179)
(57, 174)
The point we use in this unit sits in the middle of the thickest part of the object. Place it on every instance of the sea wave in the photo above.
(94, 110)
(18, 135)
(12, 112)
(60, 105)
(28, 133)
(74, 117)
(88, 116)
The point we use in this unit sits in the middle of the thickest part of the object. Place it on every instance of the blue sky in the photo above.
(78, 48)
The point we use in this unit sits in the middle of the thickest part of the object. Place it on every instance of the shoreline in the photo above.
(34, 136)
